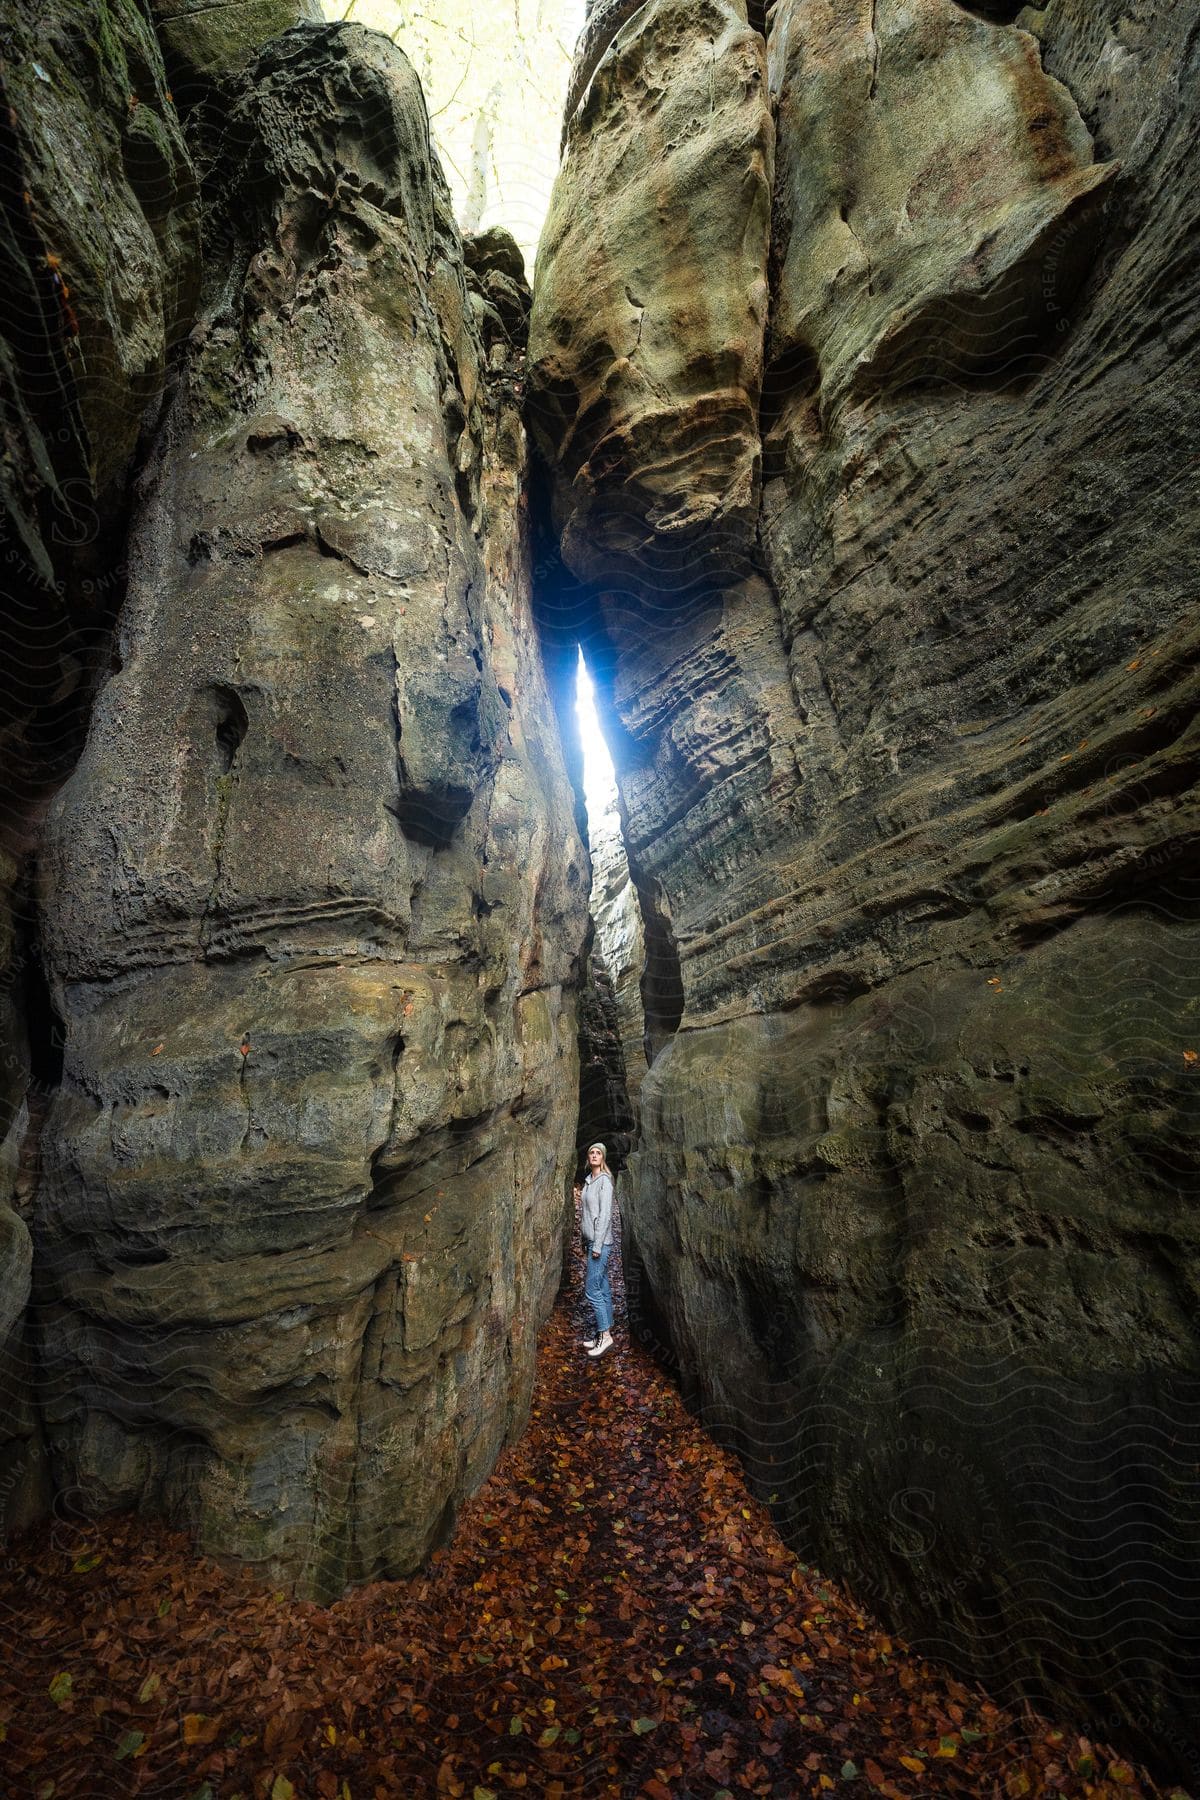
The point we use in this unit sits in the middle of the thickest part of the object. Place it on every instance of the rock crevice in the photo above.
(903, 670)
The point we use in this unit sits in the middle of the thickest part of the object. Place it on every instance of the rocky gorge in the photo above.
(851, 427)
(864, 357)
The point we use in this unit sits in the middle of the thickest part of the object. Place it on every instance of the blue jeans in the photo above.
(597, 1286)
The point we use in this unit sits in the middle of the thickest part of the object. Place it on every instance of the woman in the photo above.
(596, 1224)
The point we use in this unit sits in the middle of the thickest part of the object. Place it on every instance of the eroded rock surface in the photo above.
(649, 396)
(620, 939)
(314, 896)
(99, 234)
(910, 794)
(937, 200)
(206, 43)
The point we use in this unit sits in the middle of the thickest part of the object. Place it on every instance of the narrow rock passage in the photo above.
(616, 1617)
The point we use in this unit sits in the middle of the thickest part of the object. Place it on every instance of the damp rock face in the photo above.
(936, 196)
(206, 43)
(104, 238)
(620, 942)
(99, 237)
(649, 396)
(314, 897)
(909, 783)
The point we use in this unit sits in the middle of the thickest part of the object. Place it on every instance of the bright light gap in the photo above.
(599, 775)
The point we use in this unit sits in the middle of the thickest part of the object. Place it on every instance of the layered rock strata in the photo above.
(892, 582)
(314, 896)
(620, 940)
(99, 232)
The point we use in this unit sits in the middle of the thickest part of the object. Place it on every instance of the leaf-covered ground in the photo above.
(616, 1617)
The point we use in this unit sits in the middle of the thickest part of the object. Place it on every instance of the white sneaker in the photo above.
(589, 1343)
(602, 1344)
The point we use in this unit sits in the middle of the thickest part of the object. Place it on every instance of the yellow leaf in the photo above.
(914, 1763)
(149, 1688)
(282, 1789)
(331, 1734)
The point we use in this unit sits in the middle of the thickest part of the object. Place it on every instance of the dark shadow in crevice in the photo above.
(788, 407)
(430, 817)
(384, 1178)
(662, 976)
(649, 1326)
(993, 12)
(605, 1113)
(45, 1032)
(230, 725)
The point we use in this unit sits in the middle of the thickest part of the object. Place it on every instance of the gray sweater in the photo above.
(596, 1209)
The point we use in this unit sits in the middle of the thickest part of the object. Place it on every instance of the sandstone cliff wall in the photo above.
(883, 496)
(100, 275)
(313, 899)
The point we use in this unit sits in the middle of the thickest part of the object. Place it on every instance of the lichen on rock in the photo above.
(207, 42)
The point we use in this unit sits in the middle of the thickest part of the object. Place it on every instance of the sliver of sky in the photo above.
(599, 776)
(495, 77)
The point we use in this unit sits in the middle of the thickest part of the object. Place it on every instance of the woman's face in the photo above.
(595, 1158)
